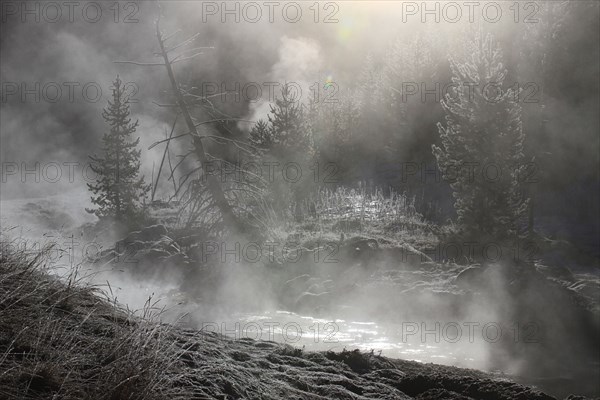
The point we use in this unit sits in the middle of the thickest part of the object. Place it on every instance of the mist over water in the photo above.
(385, 287)
(248, 307)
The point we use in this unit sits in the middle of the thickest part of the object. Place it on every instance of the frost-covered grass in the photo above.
(345, 212)
(62, 338)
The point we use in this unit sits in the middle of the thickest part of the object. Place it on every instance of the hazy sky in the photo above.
(54, 60)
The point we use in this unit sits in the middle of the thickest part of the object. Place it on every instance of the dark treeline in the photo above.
(375, 130)
(382, 125)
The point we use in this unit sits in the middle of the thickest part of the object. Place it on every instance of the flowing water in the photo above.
(449, 344)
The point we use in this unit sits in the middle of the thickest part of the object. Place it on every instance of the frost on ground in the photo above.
(386, 272)
(63, 340)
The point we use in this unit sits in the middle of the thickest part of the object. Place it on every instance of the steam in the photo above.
(304, 54)
(299, 64)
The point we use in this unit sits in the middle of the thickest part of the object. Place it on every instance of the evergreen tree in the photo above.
(285, 131)
(261, 135)
(288, 123)
(118, 187)
(483, 131)
(285, 138)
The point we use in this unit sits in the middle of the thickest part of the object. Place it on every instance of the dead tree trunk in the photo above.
(155, 183)
(213, 185)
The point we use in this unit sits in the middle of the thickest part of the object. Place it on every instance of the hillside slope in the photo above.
(62, 340)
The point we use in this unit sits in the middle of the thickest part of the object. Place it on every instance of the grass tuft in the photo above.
(64, 340)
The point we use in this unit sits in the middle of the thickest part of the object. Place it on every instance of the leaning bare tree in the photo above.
(240, 206)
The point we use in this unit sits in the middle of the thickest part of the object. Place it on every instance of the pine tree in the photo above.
(483, 128)
(288, 122)
(285, 130)
(118, 187)
(261, 135)
(285, 138)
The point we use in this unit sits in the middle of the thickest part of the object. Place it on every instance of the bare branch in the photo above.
(210, 121)
(177, 59)
(165, 105)
(171, 35)
(163, 158)
(184, 43)
(140, 63)
(179, 163)
(237, 143)
(203, 98)
(153, 145)
(171, 169)
(198, 48)
(187, 176)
